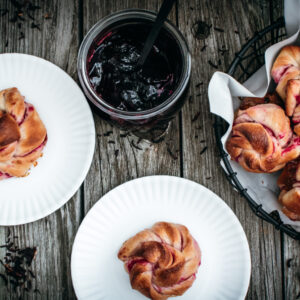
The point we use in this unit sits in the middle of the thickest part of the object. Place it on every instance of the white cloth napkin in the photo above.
(292, 16)
(223, 91)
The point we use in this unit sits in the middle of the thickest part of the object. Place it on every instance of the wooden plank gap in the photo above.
(271, 9)
(181, 143)
(176, 13)
(180, 123)
(271, 6)
(82, 203)
(80, 21)
(283, 265)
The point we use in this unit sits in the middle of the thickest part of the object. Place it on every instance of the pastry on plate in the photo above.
(262, 140)
(22, 134)
(286, 73)
(161, 261)
(289, 183)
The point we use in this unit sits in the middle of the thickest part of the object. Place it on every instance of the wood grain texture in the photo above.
(275, 258)
(232, 23)
(291, 268)
(57, 41)
(108, 169)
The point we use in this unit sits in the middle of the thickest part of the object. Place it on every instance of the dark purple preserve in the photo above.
(117, 79)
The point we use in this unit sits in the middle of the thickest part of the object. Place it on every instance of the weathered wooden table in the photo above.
(60, 28)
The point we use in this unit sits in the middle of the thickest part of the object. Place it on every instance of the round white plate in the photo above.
(98, 274)
(71, 139)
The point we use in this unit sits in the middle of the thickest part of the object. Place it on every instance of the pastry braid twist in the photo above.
(161, 261)
(289, 183)
(22, 134)
(262, 140)
(286, 73)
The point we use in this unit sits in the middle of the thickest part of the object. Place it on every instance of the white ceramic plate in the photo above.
(71, 139)
(98, 274)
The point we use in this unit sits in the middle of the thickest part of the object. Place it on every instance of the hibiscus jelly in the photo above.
(140, 99)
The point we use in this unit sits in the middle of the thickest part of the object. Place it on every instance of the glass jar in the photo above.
(152, 123)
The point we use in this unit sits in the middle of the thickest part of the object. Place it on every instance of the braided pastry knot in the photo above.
(286, 73)
(289, 184)
(262, 140)
(22, 134)
(161, 261)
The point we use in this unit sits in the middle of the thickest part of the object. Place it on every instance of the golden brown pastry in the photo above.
(161, 261)
(262, 140)
(253, 101)
(289, 183)
(22, 134)
(286, 73)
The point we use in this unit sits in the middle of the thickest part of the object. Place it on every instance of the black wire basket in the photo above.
(246, 62)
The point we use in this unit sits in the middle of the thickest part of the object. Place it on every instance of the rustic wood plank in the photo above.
(57, 41)
(108, 169)
(291, 268)
(232, 22)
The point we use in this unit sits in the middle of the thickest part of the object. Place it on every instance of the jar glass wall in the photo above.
(147, 123)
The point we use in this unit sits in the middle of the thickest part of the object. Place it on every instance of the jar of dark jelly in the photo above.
(142, 100)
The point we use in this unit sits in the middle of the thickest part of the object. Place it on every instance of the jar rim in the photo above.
(99, 27)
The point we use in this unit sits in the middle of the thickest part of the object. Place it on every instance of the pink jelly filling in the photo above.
(288, 149)
(24, 116)
(173, 256)
(182, 279)
(131, 263)
(4, 175)
(296, 121)
(3, 149)
(28, 108)
(296, 143)
(298, 99)
(37, 148)
(157, 288)
(296, 184)
(13, 115)
(278, 74)
(269, 130)
(237, 158)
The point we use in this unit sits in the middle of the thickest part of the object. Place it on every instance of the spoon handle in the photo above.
(161, 17)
